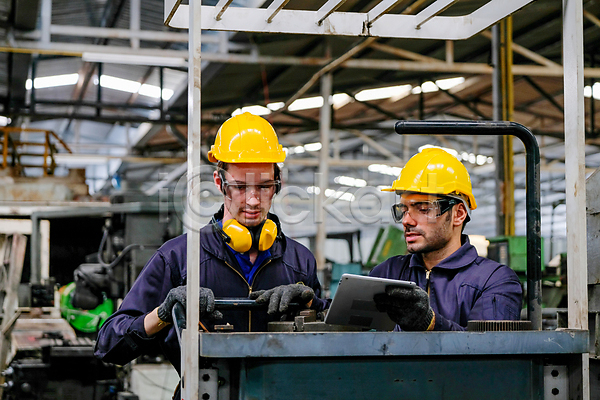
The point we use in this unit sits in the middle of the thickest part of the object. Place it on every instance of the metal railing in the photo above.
(13, 149)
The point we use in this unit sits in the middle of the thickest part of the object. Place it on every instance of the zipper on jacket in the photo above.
(427, 273)
(250, 288)
(249, 291)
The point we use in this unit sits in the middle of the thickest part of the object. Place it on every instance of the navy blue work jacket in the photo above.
(123, 338)
(462, 287)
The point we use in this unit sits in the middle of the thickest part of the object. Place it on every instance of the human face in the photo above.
(426, 229)
(249, 190)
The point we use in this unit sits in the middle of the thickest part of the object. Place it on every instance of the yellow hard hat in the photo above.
(435, 171)
(246, 138)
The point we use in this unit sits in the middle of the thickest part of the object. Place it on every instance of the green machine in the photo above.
(87, 321)
(511, 251)
(389, 242)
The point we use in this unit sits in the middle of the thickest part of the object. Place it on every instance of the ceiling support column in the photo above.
(323, 175)
(502, 89)
(577, 272)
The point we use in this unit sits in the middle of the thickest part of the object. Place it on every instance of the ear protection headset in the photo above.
(242, 239)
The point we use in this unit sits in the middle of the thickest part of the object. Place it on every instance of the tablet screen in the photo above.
(353, 302)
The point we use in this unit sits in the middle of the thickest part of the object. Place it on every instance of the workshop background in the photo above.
(93, 131)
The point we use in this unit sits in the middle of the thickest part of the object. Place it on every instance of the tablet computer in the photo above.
(353, 302)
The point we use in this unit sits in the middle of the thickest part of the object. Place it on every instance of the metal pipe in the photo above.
(532, 197)
(325, 129)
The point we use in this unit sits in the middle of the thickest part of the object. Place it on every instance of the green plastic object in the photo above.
(389, 242)
(87, 321)
(511, 251)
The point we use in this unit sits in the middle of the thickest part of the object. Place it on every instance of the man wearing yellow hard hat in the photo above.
(454, 284)
(243, 253)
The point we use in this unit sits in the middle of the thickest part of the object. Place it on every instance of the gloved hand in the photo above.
(280, 297)
(179, 295)
(409, 308)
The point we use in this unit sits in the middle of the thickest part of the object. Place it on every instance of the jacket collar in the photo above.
(462, 257)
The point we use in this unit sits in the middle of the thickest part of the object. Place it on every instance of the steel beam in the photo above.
(189, 349)
(347, 23)
(323, 175)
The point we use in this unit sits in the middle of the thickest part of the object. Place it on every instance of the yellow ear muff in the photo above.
(241, 239)
(268, 234)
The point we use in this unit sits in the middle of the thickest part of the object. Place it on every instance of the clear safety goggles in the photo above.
(428, 210)
(242, 189)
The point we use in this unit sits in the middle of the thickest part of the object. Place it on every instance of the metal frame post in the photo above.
(189, 349)
(324, 128)
(575, 184)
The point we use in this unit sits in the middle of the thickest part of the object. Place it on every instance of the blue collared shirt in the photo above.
(246, 265)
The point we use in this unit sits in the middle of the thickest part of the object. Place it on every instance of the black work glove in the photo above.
(179, 295)
(280, 297)
(409, 308)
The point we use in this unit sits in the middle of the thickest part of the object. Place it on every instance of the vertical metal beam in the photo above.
(46, 20)
(134, 21)
(99, 90)
(449, 51)
(502, 93)
(324, 129)
(575, 163)
(189, 349)
(507, 115)
(592, 100)
(575, 179)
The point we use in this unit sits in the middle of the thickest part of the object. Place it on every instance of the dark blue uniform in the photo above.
(123, 338)
(462, 287)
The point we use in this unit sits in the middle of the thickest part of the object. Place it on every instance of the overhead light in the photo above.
(444, 84)
(478, 159)
(385, 169)
(275, 106)
(587, 91)
(449, 83)
(52, 81)
(383, 93)
(349, 181)
(306, 103)
(339, 100)
(426, 87)
(129, 86)
(313, 146)
(81, 160)
(124, 85)
(338, 194)
(256, 110)
(134, 59)
(4, 120)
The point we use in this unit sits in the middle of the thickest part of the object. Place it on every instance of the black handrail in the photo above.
(532, 151)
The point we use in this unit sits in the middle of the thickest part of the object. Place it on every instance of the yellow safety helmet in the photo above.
(435, 171)
(246, 138)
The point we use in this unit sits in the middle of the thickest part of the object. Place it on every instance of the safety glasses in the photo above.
(423, 210)
(241, 189)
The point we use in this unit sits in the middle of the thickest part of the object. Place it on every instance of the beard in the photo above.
(433, 240)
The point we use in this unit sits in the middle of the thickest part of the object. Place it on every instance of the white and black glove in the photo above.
(179, 295)
(280, 297)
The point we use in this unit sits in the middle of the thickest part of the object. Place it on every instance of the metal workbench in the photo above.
(388, 365)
